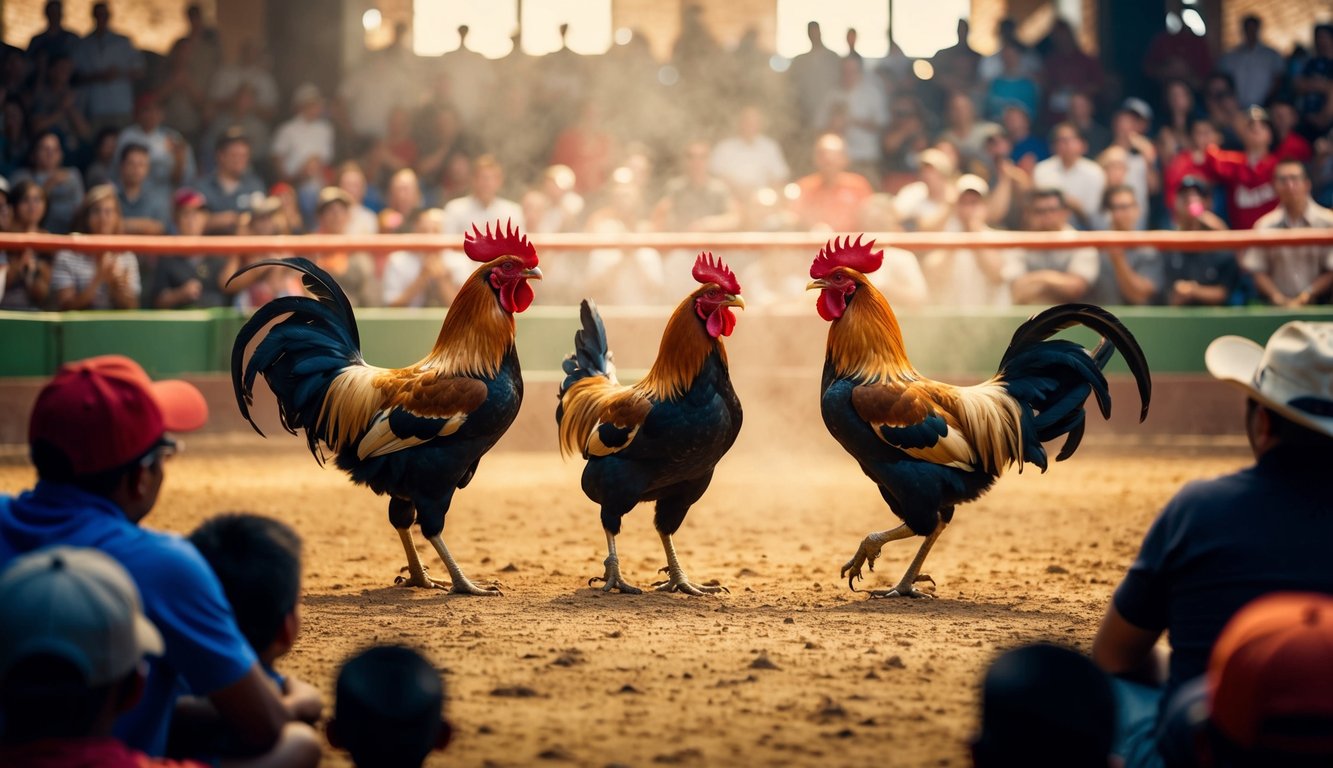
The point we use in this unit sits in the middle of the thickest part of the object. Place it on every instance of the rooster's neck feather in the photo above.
(685, 348)
(866, 342)
(477, 331)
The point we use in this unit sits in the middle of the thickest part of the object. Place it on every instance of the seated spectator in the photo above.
(144, 210)
(830, 197)
(389, 710)
(483, 204)
(170, 159)
(1200, 277)
(191, 281)
(1081, 181)
(292, 217)
(1010, 185)
(63, 184)
(101, 168)
(421, 279)
(1294, 275)
(231, 185)
(107, 280)
(362, 220)
(99, 438)
(749, 160)
(1053, 276)
(924, 205)
(73, 639)
(1118, 164)
(966, 132)
(402, 197)
(1133, 275)
(27, 273)
(1015, 86)
(258, 562)
(354, 271)
(696, 200)
(1269, 678)
(1129, 131)
(978, 277)
(1044, 706)
(1027, 149)
(303, 145)
(1220, 543)
(260, 286)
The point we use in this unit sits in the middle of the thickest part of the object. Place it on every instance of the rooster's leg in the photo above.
(461, 584)
(676, 580)
(401, 513)
(905, 587)
(612, 580)
(867, 553)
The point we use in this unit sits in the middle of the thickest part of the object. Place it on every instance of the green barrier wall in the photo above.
(939, 341)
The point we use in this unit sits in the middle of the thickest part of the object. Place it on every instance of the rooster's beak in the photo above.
(532, 274)
(820, 284)
(734, 301)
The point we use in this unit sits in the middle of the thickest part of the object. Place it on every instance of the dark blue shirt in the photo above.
(1221, 543)
(181, 596)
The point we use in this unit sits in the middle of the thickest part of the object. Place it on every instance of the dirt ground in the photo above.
(788, 669)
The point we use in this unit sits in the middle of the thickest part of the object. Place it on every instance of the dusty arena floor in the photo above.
(790, 668)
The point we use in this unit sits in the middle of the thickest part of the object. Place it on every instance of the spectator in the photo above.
(1013, 86)
(1082, 115)
(240, 114)
(26, 274)
(1127, 275)
(1294, 275)
(99, 439)
(903, 142)
(257, 561)
(1081, 181)
(812, 74)
(1223, 109)
(361, 220)
(900, 279)
(1117, 163)
(1200, 277)
(1289, 144)
(249, 68)
(1189, 161)
(1247, 176)
(587, 148)
(1255, 68)
(421, 279)
(1220, 543)
(106, 280)
(389, 711)
(374, 88)
(15, 147)
(990, 66)
(566, 206)
(1067, 69)
(966, 132)
(62, 183)
(53, 42)
(696, 201)
(191, 281)
(401, 199)
(1179, 110)
(183, 100)
(73, 639)
(1053, 276)
(1176, 52)
(864, 112)
(633, 277)
(232, 184)
(1315, 82)
(1129, 127)
(143, 211)
(470, 80)
(1009, 185)
(977, 277)
(956, 66)
(399, 143)
(260, 286)
(1268, 684)
(442, 138)
(830, 197)
(484, 205)
(355, 271)
(924, 205)
(292, 218)
(303, 146)
(101, 167)
(1044, 706)
(750, 160)
(106, 65)
(56, 106)
(170, 159)
(1027, 149)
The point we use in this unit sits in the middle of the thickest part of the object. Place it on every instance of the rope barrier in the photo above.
(718, 241)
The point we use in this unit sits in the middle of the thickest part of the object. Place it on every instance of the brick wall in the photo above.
(153, 25)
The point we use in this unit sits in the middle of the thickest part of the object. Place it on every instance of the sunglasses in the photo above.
(164, 449)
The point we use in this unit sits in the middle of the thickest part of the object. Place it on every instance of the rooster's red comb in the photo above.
(708, 269)
(483, 246)
(860, 257)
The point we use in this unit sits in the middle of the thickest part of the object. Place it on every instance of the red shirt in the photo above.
(1176, 170)
(838, 204)
(1250, 192)
(93, 752)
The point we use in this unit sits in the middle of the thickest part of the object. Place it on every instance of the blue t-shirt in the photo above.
(181, 596)
(1221, 543)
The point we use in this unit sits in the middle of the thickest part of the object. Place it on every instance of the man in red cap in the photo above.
(99, 435)
(1221, 543)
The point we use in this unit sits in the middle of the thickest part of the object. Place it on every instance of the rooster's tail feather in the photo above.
(309, 343)
(591, 355)
(1054, 378)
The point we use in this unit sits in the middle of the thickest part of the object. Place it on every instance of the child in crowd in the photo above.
(390, 709)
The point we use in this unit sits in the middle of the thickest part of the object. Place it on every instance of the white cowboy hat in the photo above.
(1293, 375)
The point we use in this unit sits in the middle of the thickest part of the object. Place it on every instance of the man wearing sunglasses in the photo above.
(99, 438)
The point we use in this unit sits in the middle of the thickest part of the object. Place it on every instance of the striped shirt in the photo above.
(76, 270)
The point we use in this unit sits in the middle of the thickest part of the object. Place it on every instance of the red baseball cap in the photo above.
(1270, 677)
(104, 412)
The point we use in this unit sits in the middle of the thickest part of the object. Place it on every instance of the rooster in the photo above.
(930, 446)
(415, 434)
(659, 439)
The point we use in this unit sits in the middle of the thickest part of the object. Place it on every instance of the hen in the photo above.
(414, 434)
(659, 439)
(931, 446)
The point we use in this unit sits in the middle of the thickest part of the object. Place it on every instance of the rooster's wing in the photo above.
(918, 418)
(386, 411)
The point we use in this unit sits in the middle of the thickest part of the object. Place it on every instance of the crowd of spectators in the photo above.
(100, 137)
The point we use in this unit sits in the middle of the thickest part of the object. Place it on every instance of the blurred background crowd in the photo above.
(98, 137)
